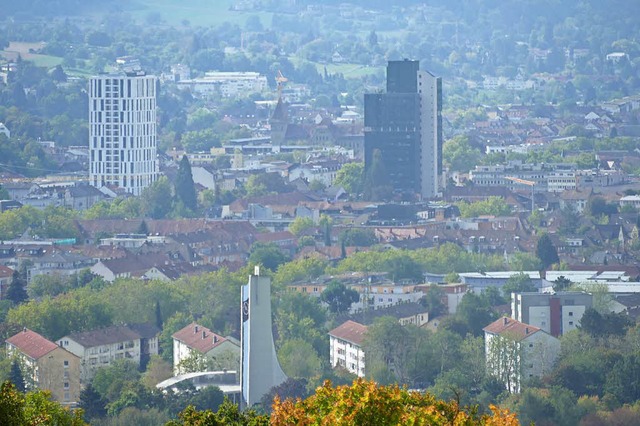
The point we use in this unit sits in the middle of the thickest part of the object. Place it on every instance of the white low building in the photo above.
(226, 84)
(195, 339)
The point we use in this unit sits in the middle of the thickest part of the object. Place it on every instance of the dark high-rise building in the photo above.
(405, 124)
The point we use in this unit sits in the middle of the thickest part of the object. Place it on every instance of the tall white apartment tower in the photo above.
(122, 131)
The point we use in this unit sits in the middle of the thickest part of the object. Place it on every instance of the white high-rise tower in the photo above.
(122, 131)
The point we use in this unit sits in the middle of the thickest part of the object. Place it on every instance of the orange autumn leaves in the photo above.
(365, 403)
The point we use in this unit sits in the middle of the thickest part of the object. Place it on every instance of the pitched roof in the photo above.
(511, 328)
(350, 331)
(31, 344)
(198, 337)
(104, 336)
(146, 330)
(5, 271)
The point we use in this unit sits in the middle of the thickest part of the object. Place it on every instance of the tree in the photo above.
(299, 359)
(92, 403)
(299, 224)
(194, 363)
(546, 251)
(268, 255)
(608, 324)
(16, 291)
(459, 155)
(518, 283)
(185, 188)
(561, 284)
(16, 377)
(358, 237)
(289, 389)
(474, 313)
(376, 181)
(350, 177)
(228, 414)
(155, 199)
(432, 300)
(366, 403)
(339, 297)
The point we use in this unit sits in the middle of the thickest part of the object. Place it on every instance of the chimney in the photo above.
(505, 320)
(526, 330)
(215, 338)
(204, 334)
(195, 329)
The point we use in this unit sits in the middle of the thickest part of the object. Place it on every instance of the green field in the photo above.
(24, 50)
(197, 12)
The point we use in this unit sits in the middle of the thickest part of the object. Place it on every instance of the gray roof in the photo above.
(104, 336)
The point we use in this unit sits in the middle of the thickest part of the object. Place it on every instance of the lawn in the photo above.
(25, 51)
(197, 12)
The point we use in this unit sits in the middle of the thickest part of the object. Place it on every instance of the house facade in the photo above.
(46, 366)
(555, 314)
(345, 347)
(196, 339)
(101, 348)
(516, 352)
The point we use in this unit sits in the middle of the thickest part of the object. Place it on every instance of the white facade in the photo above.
(430, 91)
(226, 84)
(516, 352)
(122, 131)
(345, 347)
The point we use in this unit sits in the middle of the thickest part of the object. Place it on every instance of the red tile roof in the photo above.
(5, 271)
(31, 344)
(198, 337)
(350, 331)
(506, 326)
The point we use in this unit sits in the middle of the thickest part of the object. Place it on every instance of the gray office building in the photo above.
(405, 124)
(554, 313)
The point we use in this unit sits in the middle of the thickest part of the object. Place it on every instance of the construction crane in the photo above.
(280, 79)
(530, 183)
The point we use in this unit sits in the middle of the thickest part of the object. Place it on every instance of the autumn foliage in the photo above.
(365, 403)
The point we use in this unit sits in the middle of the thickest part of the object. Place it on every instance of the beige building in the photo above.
(47, 366)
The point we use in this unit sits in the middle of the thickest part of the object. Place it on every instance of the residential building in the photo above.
(100, 348)
(405, 125)
(555, 314)
(46, 366)
(226, 84)
(122, 131)
(345, 347)
(196, 339)
(517, 352)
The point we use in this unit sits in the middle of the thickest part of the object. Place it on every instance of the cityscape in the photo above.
(300, 212)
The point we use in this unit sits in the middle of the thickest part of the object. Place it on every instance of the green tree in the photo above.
(432, 300)
(17, 292)
(492, 206)
(155, 200)
(358, 237)
(16, 377)
(459, 155)
(518, 283)
(350, 177)
(299, 224)
(561, 284)
(299, 359)
(185, 188)
(339, 297)
(110, 381)
(376, 180)
(92, 403)
(546, 251)
(268, 255)
(475, 313)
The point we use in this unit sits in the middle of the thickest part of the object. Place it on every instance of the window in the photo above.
(570, 322)
(66, 363)
(66, 385)
(570, 314)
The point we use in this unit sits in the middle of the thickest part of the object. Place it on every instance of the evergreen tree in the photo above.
(17, 292)
(546, 251)
(376, 181)
(92, 403)
(143, 228)
(158, 315)
(16, 377)
(185, 188)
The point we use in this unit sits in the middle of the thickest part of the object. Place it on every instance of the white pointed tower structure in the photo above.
(260, 369)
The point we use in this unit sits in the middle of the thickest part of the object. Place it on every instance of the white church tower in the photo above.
(260, 369)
